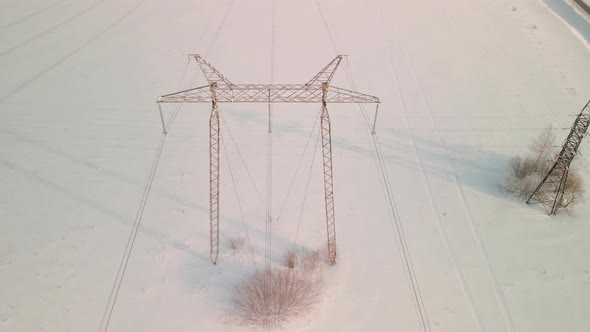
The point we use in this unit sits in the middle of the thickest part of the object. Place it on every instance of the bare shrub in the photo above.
(302, 260)
(290, 258)
(275, 297)
(236, 243)
(573, 191)
(521, 182)
(526, 174)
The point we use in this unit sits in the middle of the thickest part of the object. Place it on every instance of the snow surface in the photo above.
(465, 85)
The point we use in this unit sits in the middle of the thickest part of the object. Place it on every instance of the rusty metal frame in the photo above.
(221, 90)
(551, 189)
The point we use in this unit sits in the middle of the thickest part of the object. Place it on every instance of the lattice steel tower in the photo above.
(551, 189)
(220, 90)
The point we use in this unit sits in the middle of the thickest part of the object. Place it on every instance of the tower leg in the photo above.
(375, 119)
(560, 191)
(214, 182)
(162, 117)
(328, 179)
(550, 191)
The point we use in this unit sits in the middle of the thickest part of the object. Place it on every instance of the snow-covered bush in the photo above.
(522, 186)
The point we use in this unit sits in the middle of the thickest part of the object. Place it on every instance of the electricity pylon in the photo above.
(551, 189)
(220, 90)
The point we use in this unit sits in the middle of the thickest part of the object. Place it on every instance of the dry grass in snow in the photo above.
(236, 243)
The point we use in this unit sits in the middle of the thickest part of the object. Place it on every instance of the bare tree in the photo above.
(542, 152)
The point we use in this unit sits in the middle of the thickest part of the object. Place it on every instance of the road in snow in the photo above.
(584, 5)
(574, 15)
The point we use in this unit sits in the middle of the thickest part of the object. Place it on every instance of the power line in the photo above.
(213, 41)
(231, 173)
(432, 203)
(68, 56)
(51, 29)
(242, 158)
(306, 189)
(106, 318)
(132, 236)
(298, 167)
(474, 231)
(32, 14)
(268, 228)
(421, 312)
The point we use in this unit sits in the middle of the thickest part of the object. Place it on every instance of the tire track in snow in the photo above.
(63, 59)
(50, 29)
(473, 228)
(432, 204)
(395, 220)
(32, 14)
(420, 163)
(109, 309)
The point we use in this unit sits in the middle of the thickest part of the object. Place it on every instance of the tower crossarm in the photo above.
(212, 75)
(268, 93)
(325, 75)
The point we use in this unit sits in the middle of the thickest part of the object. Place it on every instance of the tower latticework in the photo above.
(550, 191)
(220, 90)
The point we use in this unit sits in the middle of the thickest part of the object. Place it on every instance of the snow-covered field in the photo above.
(464, 85)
